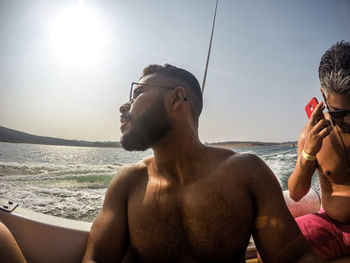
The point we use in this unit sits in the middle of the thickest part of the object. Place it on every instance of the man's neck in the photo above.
(177, 155)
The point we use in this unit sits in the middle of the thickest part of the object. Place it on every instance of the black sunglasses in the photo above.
(338, 114)
(134, 85)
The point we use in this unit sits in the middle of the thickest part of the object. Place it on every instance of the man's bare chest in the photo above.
(201, 221)
(332, 161)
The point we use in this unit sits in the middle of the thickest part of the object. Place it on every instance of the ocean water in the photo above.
(71, 182)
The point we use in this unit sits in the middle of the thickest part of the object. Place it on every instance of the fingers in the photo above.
(317, 113)
(315, 133)
(323, 133)
(322, 124)
(323, 128)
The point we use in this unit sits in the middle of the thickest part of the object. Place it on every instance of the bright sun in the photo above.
(78, 36)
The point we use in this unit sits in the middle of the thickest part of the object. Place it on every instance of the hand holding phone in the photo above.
(316, 129)
(310, 107)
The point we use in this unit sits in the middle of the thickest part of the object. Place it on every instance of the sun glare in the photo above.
(78, 36)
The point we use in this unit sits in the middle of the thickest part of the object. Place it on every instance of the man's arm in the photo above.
(309, 141)
(299, 182)
(108, 237)
(276, 234)
(9, 249)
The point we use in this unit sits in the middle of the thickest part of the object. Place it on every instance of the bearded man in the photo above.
(188, 202)
(324, 145)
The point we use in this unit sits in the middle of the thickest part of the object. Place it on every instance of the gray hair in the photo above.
(334, 69)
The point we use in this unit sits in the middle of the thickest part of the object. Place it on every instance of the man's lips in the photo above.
(124, 119)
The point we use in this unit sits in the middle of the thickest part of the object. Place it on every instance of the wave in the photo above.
(15, 168)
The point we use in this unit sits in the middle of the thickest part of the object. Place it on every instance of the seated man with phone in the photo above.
(324, 145)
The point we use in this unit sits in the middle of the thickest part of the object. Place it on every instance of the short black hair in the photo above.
(183, 76)
(334, 69)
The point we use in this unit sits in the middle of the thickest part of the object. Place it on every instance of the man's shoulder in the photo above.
(134, 168)
(225, 153)
(130, 175)
(245, 161)
(254, 174)
(302, 134)
(239, 163)
(252, 170)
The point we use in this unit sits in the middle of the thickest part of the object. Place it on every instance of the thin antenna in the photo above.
(211, 40)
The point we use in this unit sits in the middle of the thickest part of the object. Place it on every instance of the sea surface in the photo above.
(71, 182)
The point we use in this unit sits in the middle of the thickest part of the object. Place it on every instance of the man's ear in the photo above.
(178, 97)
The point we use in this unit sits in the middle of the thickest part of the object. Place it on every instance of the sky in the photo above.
(66, 66)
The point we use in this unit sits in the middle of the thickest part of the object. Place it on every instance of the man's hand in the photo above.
(316, 130)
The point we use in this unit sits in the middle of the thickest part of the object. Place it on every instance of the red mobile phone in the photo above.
(310, 107)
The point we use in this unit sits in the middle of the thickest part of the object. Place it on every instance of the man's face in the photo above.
(144, 121)
(340, 102)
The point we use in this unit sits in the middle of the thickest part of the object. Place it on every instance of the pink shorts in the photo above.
(328, 238)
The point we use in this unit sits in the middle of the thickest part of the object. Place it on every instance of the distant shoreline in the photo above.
(225, 145)
(93, 144)
(245, 144)
(13, 136)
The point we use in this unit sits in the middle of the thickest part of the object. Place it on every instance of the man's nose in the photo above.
(125, 107)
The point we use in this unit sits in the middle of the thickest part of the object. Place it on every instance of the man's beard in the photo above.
(147, 129)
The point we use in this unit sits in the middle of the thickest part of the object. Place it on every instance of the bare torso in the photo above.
(204, 220)
(333, 172)
(204, 212)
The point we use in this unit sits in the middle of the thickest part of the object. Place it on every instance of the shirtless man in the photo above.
(324, 145)
(188, 202)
